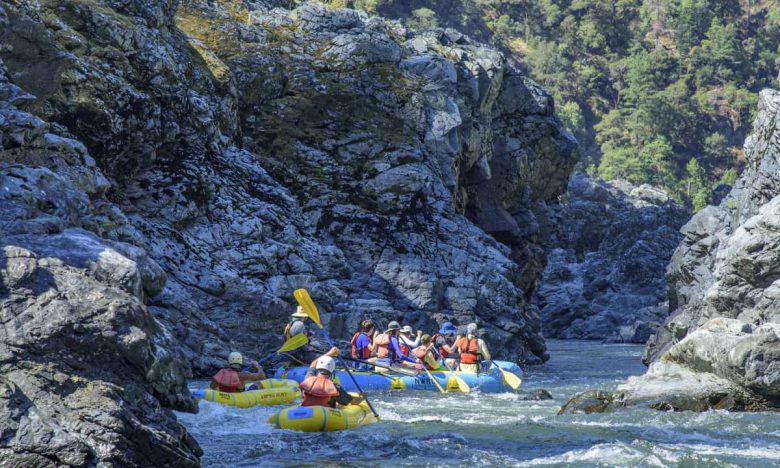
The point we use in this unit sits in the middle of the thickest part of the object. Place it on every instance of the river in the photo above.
(499, 430)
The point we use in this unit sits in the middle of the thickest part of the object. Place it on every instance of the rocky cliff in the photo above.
(171, 172)
(720, 347)
(605, 278)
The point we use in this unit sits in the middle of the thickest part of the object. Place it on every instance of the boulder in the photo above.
(605, 276)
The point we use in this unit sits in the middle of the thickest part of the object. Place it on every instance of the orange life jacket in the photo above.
(382, 344)
(442, 351)
(228, 380)
(364, 353)
(469, 350)
(317, 391)
(420, 352)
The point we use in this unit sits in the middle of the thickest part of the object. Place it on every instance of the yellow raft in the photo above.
(322, 418)
(273, 392)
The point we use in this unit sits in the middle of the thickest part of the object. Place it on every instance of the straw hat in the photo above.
(299, 313)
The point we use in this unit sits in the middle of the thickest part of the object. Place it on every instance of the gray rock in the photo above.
(213, 164)
(605, 277)
(720, 347)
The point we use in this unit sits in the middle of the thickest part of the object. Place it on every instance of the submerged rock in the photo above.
(605, 277)
(535, 395)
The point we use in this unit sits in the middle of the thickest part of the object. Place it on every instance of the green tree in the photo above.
(690, 20)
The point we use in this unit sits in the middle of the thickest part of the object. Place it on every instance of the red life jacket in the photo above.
(364, 353)
(228, 380)
(382, 343)
(317, 391)
(420, 352)
(442, 351)
(469, 350)
(404, 347)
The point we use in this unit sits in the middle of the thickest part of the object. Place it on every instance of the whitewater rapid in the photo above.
(501, 430)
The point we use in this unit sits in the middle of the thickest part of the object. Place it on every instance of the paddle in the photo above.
(430, 376)
(290, 345)
(509, 377)
(396, 369)
(303, 298)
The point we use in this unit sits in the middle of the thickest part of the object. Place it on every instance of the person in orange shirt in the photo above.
(472, 350)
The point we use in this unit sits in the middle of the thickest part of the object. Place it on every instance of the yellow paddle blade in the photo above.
(511, 379)
(462, 385)
(294, 343)
(303, 298)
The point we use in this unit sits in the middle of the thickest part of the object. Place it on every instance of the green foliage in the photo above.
(646, 86)
(729, 177)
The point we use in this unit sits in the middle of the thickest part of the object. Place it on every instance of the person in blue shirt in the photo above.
(387, 349)
(362, 342)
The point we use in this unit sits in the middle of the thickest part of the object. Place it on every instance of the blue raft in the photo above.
(490, 381)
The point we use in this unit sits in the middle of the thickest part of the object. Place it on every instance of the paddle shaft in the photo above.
(346, 368)
(410, 372)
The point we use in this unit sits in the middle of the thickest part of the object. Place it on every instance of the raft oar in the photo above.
(396, 369)
(303, 298)
(290, 345)
(510, 378)
(430, 376)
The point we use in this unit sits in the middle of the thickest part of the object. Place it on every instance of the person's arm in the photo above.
(344, 398)
(402, 356)
(431, 360)
(252, 376)
(483, 349)
(416, 342)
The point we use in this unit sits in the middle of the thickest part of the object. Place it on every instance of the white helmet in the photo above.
(326, 363)
(235, 359)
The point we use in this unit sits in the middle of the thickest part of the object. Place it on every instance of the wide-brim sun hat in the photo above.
(299, 313)
(393, 326)
(406, 329)
(447, 328)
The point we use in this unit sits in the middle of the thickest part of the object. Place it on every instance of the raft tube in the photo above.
(322, 418)
(491, 381)
(273, 392)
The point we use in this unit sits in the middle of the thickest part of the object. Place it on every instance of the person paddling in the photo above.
(443, 341)
(426, 352)
(407, 344)
(472, 350)
(318, 388)
(232, 379)
(297, 326)
(362, 341)
(387, 350)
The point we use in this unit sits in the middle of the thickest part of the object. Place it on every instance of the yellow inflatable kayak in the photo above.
(323, 419)
(273, 392)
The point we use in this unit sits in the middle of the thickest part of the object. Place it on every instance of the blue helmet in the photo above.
(447, 328)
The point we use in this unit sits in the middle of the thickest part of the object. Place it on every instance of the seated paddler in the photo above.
(232, 379)
(318, 387)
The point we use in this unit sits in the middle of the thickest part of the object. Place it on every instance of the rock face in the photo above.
(720, 347)
(605, 278)
(252, 152)
(87, 375)
(171, 171)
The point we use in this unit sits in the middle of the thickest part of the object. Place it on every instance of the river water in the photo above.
(429, 429)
